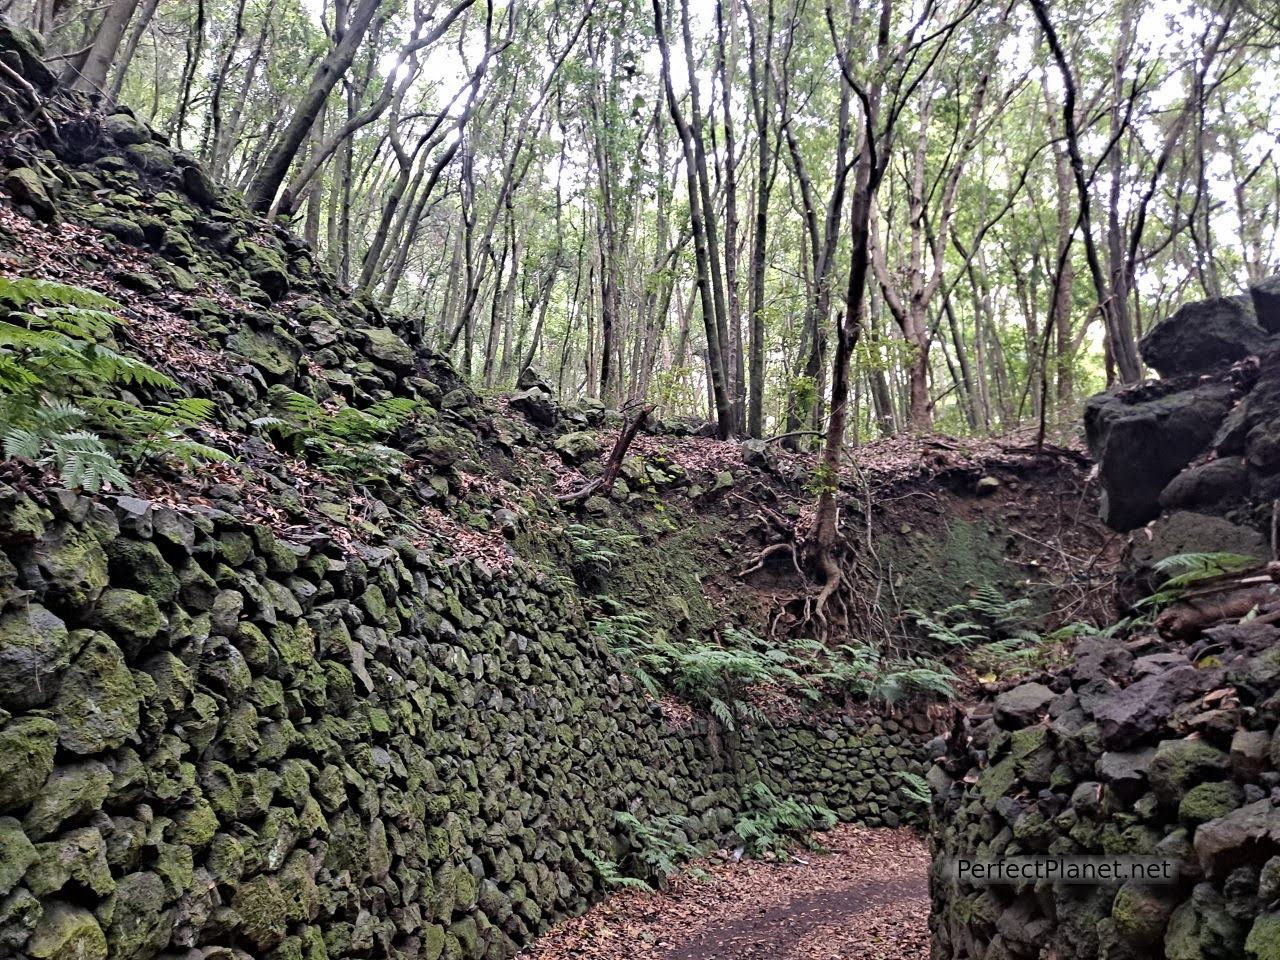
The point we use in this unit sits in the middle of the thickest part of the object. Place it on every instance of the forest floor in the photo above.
(864, 897)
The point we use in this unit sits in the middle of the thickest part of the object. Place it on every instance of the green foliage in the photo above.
(54, 370)
(987, 615)
(660, 846)
(597, 549)
(994, 633)
(1186, 572)
(719, 677)
(342, 441)
(860, 671)
(611, 874)
(770, 825)
(914, 787)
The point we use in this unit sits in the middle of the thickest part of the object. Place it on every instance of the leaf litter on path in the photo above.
(865, 897)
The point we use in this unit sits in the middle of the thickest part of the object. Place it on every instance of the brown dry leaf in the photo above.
(865, 898)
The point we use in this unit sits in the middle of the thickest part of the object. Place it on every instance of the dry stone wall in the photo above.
(1145, 749)
(219, 745)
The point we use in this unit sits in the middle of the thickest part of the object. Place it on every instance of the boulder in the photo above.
(1023, 705)
(1179, 765)
(535, 404)
(578, 447)
(1141, 444)
(1186, 532)
(200, 187)
(35, 648)
(28, 191)
(386, 348)
(126, 130)
(1207, 485)
(1266, 304)
(1140, 711)
(1247, 835)
(532, 379)
(1203, 336)
(23, 51)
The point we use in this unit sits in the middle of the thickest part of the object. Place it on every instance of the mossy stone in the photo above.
(387, 348)
(266, 268)
(69, 791)
(262, 911)
(35, 647)
(17, 853)
(97, 703)
(139, 925)
(74, 565)
(79, 855)
(27, 746)
(235, 548)
(129, 618)
(66, 932)
(140, 565)
(150, 157)
(1208, 801)
(226, 859)
(1141, 914)
(1178, 765)
(196, 825)
(1263, 942)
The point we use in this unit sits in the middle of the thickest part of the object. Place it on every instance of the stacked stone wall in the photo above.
(217, 743)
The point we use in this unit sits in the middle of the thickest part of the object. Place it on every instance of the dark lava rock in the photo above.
(1142, 444)
(1139, 712)
(1207, 485)
(1202, 336)
(1023, 705)
(536, 405)
(1266, 304)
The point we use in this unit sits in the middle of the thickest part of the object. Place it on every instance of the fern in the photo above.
(770, 825)
(660, 844)
(54, 371)
(340, 442)
(1187, 571)
(610, 874)
(914, 787)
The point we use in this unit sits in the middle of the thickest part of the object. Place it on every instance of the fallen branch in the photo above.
(612, 466)
(795, 433)
(19, 81)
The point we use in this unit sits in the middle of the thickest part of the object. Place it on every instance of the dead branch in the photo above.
(37, 105)
(1186, 620)
(612, 466)
(795, 433)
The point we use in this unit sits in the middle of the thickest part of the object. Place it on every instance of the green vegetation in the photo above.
(55, 367)
(993, 634)
(1185, 573)
(660, 845)
(771, 826)
(726, 676)
(341, 440)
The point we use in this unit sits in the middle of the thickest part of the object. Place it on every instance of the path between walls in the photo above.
(866, 898)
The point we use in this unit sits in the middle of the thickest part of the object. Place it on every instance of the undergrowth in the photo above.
(57, 374)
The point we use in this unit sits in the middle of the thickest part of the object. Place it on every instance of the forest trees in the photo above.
(794, 218)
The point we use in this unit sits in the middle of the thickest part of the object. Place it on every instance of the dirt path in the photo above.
(867, 898)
